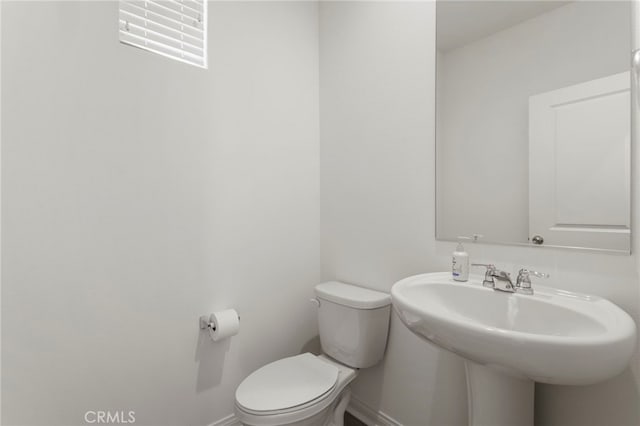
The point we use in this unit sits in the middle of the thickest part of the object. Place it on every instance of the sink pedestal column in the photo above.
(498, 399)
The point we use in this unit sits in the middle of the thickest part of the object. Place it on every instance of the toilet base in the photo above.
(341, 407)
(332, 415)
(328, 411)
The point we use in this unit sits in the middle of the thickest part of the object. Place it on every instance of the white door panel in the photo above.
(579, 164)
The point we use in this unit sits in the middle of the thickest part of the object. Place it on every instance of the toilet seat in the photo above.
(303, 412)
(289, 384)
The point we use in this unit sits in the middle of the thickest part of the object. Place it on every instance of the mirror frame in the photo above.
(634, 69)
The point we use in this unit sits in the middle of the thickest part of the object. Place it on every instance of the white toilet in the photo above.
(310, 390)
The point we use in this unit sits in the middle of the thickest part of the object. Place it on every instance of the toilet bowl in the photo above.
(303, 390)
(310, 390)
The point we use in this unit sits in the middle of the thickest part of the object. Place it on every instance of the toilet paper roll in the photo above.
(224, 324)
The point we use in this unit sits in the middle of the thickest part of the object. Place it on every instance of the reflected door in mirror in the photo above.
(579, 141)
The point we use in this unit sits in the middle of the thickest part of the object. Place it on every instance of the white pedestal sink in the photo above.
(511, 340)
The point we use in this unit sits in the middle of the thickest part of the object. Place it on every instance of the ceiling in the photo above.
(460, 22)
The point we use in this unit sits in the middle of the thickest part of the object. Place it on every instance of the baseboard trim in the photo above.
(357, 408)
(368, 415)
(230, 420)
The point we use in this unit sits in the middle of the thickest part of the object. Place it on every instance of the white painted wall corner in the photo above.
(368, 415)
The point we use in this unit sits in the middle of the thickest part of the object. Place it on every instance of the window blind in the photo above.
(173, 28)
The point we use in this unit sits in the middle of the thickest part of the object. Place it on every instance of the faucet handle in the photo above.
(539, 274)
(524, 272)
(489, 266)
(488, 275)
(523, 283)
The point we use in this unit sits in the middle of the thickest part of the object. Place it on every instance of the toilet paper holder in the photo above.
(207, 322)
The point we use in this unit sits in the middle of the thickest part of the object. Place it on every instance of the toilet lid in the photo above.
(287, 383)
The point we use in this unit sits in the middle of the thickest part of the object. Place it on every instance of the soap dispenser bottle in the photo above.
(460, 262)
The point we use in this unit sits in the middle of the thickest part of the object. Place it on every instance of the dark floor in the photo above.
(349, 420)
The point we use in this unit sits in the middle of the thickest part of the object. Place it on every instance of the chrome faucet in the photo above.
(495, 278)
(500, 280)
(523, 283)
(488, 275)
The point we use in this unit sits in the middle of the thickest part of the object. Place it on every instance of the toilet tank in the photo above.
(353, 323)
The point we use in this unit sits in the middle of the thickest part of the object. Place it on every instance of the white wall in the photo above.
(487, 84)
(119, 231)
(0, 213)
(377, 179)
(139, 193)
(377, 201)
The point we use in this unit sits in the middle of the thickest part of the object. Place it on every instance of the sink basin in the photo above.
(552, 336)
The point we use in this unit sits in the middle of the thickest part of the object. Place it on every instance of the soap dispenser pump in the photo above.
(460, 262)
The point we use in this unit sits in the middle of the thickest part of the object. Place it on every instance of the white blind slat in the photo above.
(157, 38)
(187, 15)
(189, 8)
(160, 19)
(196, 5)
(163, 49)
(172, 28)
(170, 33)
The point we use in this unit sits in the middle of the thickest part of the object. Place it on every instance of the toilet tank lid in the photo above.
(352, 296)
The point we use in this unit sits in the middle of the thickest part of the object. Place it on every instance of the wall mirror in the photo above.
(533, 126)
